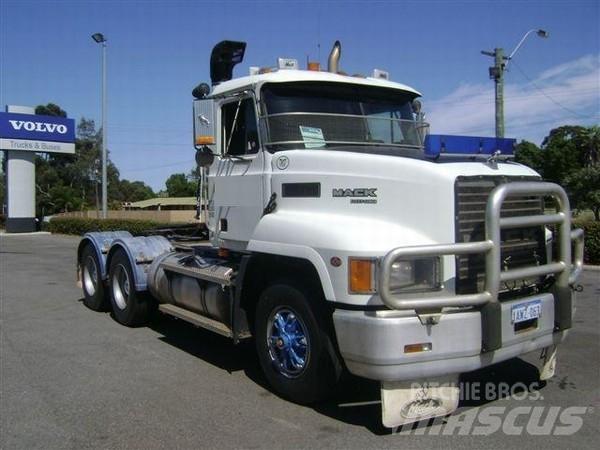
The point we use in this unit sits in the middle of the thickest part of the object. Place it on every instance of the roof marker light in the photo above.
(287, 63)
(381, 74)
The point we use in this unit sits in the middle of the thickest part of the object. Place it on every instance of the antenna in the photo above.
(319, 32)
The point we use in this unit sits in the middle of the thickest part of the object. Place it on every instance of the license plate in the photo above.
(526, 311)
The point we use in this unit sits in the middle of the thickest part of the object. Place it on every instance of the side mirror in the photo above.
(416, 106)
(204, 157)
(204, 125)
(422, 126)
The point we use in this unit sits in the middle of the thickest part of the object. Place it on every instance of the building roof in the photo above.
(163, 201)
(283, 76)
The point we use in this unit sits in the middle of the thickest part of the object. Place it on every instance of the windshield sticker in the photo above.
(312, 137)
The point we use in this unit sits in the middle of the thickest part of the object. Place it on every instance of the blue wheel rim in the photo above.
(288, 342)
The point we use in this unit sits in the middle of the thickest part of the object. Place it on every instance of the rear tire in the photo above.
(94, 293)
(130, 307)
(294, 349)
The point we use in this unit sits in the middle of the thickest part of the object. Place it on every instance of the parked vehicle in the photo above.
(342, 236)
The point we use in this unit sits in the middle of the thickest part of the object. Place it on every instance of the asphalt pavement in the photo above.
(74, 378)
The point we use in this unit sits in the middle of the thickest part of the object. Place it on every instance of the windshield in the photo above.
(330, 115)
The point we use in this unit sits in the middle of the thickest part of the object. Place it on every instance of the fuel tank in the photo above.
(174, 278)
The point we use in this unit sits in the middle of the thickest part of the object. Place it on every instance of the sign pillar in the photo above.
(20, 185)
(22, 135)
(20, 192)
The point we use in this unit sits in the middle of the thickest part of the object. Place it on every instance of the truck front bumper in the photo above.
(469, 331)
(373, 344)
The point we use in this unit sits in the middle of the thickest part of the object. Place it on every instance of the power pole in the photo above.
(104, 152)
(100, 39)
(497, 74)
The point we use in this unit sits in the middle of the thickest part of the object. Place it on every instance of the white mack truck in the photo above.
(342, 236)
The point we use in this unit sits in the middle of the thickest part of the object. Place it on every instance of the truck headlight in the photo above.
(415, 275)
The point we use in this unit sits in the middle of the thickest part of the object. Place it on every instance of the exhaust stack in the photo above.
(333, 63)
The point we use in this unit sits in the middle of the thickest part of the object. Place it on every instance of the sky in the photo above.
(159, 50)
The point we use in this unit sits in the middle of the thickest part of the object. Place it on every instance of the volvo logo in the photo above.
(38, 126)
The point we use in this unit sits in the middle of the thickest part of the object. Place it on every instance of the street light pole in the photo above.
(100, 39)
(497, 74)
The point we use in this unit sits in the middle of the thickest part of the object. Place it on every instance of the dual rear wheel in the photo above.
(94, 295)
(130, 307)
(293, 333)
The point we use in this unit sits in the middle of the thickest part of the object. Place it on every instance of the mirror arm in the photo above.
(237, 111)
(239, 158)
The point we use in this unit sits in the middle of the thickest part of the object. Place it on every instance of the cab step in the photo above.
(196, 319)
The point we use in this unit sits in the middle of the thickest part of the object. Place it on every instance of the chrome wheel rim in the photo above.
(90, 276)
(288, 342)
(120, 286)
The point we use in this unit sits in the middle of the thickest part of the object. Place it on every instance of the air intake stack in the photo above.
(333, 63)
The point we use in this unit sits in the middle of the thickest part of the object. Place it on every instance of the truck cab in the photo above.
(342, 236)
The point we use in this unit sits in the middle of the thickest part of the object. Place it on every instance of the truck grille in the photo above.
(520, 247)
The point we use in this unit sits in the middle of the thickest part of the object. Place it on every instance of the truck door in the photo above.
(237, 190)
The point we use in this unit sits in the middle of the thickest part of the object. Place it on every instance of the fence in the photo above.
(168, 216)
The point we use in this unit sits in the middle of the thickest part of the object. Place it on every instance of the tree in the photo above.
(591, 145)
(530, 154)
(76, 172)
(571, 158)
(564, 152)
(2, 189)
(134, 191)
(50, 110)
(72, 182)
(179, 186)
(583, 186)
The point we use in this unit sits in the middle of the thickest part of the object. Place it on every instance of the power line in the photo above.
(548, 96)
(516, 127)
(139, 169)
(148, 127)
(510, 97)
(147, 131)
(190, 145)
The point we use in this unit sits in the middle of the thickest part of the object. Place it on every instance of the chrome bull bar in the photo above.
(565, 270)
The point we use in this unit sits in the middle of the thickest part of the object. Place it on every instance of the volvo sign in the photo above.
(30, 132)
(22, 135)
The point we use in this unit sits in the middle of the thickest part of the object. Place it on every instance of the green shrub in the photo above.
(79, 226)
(591, 228)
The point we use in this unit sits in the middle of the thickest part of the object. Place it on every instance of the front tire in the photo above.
(94, 295)
(130, 307)
(294, 348)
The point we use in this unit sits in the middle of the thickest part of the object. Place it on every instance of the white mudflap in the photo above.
(547, 362)
(405, 402)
